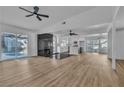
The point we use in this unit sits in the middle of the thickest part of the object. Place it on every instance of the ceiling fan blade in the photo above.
(25, 10)
(29, 15)
(43, 15)
(39, 18)
(75, 34)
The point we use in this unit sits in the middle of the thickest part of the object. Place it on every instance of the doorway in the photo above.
(45, 45)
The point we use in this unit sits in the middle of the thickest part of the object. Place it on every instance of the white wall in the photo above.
(32, 48)
(110, 44)
(119, 24)
(119, 44)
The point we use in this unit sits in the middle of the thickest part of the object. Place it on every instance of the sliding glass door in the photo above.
(13, 45)
(22, 45)
(8, 45)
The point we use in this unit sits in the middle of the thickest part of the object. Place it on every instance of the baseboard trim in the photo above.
(117, 59)
(16, 58)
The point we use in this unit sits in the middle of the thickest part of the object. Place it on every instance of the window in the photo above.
(92, 45)
(13, 45)
(96, 45)
(103, 43)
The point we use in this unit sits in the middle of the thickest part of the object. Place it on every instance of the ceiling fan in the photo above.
(35, 12)
(72, 33)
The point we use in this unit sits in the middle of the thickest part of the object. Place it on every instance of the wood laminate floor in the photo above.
(83, 70)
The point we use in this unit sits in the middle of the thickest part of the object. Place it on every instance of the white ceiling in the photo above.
(15, 16)
(95, 20)
(80, 19)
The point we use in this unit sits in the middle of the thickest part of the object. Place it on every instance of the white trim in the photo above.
(113, 47)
